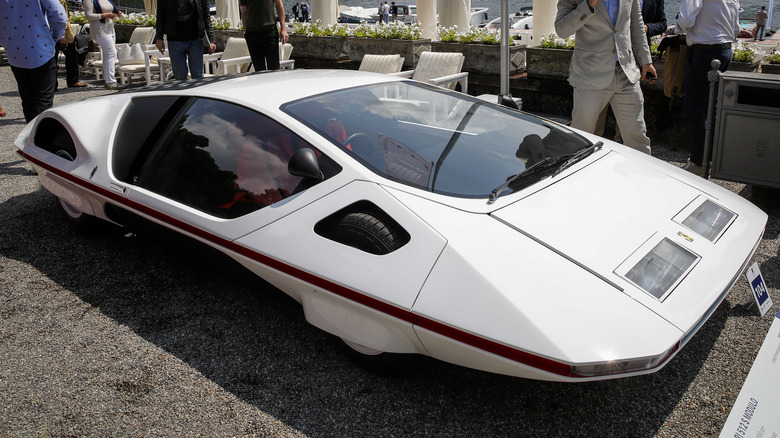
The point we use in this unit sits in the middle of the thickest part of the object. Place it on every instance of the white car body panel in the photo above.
(528, 285)
(515, 309)
(574, 222)
(367, 274)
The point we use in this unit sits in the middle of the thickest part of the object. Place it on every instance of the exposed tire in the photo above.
(377, 362)
(370, 232)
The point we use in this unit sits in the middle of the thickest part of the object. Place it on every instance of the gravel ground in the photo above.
(111, 334)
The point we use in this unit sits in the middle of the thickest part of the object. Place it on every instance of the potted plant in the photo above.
(745, 58)
(312, 40)
(481, 48)
(388, 39)
(126, 23)
(223, 30)
(771, 63)
(551, 59)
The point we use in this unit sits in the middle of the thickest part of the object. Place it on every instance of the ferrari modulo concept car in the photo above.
(411, 219)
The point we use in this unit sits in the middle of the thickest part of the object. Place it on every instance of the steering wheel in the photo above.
(365, 148)
(366, 139)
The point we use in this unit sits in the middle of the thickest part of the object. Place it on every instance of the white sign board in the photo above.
(756, 413)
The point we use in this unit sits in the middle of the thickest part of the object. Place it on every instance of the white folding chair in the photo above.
(382, 63)
(441, 69)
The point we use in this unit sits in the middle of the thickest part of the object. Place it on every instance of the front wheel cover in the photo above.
(377, 362)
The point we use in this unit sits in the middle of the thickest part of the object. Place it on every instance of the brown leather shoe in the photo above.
(77, 85)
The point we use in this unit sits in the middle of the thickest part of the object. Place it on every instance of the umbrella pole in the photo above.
(505, 98)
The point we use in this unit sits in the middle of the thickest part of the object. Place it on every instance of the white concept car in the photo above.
(413, 220)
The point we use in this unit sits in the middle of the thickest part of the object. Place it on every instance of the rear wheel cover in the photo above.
(75, 216)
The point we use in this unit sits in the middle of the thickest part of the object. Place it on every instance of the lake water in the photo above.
(672, 7)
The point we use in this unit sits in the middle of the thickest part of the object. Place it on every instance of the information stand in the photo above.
(756, 413)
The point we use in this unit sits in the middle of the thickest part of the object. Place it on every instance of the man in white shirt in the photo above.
(711, 26)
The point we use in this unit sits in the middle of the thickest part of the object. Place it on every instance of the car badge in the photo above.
(685, 236)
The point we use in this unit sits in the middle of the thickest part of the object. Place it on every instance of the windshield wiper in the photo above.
(578, 157)
(545, 164)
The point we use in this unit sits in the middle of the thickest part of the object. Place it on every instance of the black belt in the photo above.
(712, 46)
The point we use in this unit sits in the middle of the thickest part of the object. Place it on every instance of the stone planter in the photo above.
(547, 63)
(750, 67)
(409, 49)
(484, 58)
(770, 68)
(221, 37)
(123, 32)
(326, 47)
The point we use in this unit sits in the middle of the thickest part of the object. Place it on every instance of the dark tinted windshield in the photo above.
(430, 138)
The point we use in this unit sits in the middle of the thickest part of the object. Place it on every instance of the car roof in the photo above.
(268, 90)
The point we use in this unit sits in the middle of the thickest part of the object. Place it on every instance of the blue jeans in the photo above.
(183, 53)
(697, 94)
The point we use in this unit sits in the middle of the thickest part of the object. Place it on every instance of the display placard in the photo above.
(760, 292)
(755, 413)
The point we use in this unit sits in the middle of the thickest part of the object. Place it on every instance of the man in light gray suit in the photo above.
(610, 44)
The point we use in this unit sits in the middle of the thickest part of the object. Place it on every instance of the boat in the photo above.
(523, 20)
(478, 17)
(408, 14)
(356, 14)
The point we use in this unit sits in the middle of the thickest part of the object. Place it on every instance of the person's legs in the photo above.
(195, 58)
(628, 105)
(588, 105)
(71, 65)
(107, 45)
(697, 89)
(178, 52)
(263, 49)
(601, 123)
(24, 83)
(36, 87)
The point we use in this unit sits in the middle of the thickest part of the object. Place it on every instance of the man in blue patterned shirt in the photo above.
(29, 32)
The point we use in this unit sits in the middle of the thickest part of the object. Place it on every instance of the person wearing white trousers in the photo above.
(101, 15)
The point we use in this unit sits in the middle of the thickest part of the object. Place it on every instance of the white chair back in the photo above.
(142, 35)
(285, 50)
(381, 63)
(437, 64)
(235, 47)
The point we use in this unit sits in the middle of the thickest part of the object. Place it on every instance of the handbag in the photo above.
(81, 41)
(131, 54)
(674, 65)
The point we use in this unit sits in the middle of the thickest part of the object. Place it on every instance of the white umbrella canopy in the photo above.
(151, 7)
(454, 13)
(327, 11)
(229, 9)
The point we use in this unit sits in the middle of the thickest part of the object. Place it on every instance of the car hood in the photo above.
(599, 225)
